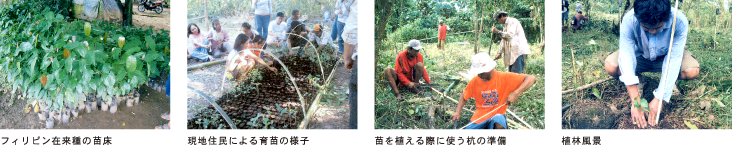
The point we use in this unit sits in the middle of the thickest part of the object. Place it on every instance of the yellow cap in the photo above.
(318, 27)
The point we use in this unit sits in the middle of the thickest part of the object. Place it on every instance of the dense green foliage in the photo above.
(41, 60)
(418, 19)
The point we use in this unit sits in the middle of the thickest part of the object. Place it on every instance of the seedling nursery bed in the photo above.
(267, 100)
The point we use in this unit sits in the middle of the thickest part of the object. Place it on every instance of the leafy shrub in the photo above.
(41, 59)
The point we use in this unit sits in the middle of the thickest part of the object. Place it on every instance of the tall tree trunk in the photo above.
(476, 29)
(126, 10)
(383, 19)
(205, 14)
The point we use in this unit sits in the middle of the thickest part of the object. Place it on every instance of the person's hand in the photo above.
(512, 97)
(494, 29)
(273, 69)
(497, 56)
(455, 116)
(412, 85)
(349, 64)
(292, 53)
(339, 12)
(653, 108)
(637, 116)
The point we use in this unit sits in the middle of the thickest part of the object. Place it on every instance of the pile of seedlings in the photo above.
(268, 100)
(62, 66)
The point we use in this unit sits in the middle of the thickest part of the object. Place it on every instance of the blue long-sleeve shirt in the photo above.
(635, 42)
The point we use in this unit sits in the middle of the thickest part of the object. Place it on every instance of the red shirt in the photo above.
(443, 32)
(404, 67)
(490, 96)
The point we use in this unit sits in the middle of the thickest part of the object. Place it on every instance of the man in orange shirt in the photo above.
(492, 91)
(442, 35)
(409, 69)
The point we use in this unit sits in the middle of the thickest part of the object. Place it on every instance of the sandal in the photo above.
(165, 116)
(164, 126)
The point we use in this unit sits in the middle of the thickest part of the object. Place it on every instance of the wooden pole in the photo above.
(314, 105)
(202, 65)
(586, 86)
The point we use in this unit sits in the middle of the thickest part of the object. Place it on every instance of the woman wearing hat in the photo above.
(492, 91)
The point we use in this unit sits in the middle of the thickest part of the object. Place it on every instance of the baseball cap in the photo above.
(415, 45)
(482, 62)
(498, 13)
(318, 27)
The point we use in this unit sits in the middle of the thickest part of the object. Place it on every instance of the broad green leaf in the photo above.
(131, 63)
(596, 93)
(109, 79)
(69, 66)
(26, 46)
(150, 42)
(45, 62)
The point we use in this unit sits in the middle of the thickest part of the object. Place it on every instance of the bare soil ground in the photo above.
(146, 115)
(150, 18)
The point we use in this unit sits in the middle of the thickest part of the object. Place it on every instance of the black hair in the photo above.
(580, 12)
(259, 39)
(241, 39)
(295, 11)
(214, 21)
(280, 14)
(652, 12)
(246, 25)
(189, 29)
(501, 15)
(296, 26)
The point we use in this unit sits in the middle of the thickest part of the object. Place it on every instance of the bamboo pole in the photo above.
(202, 65)
(586, 86)
(314, 105)
(511, 121)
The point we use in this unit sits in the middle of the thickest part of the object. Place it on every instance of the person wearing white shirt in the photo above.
(262, 10)
(320, 40)
(277, 29)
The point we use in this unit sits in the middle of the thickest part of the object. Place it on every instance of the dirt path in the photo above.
(330, 116)
(146, 115)
(206, 80)
(150, 18)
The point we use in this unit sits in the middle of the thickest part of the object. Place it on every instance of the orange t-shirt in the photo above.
(443, 32)
(492, 94)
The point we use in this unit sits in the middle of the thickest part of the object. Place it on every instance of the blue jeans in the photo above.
(488, 124)
(337, 31)
(167, 87)
(201, 53)
(261, 25)
(518, 65)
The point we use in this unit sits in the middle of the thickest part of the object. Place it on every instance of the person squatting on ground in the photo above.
(318, 39)
(408, 70)
(578, 21)
(442, 35)
(645, 34)
(198, 46)
(297, 37)
(259, 43)
(343, 9)
(262, 10)
(219, 39)
(246, 29)
(493, 91)
(277, 29)
(514, 46)
(350, 55)
(241, 62)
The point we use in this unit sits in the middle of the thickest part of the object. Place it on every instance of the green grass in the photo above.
(441, 65)
(713, 59)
